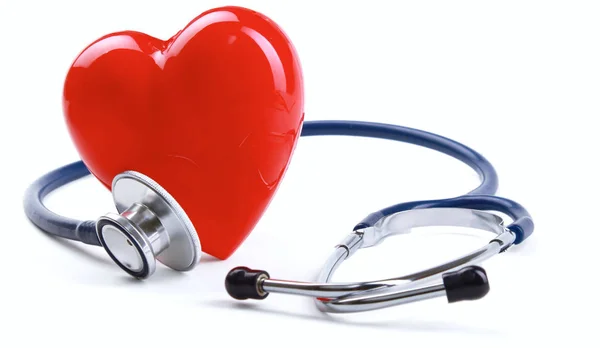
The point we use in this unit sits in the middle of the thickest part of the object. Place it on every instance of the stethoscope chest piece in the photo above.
(150, 226)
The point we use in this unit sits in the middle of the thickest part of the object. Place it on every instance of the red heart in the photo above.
(212, 114)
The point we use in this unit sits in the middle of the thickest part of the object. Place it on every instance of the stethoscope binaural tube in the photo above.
(142, 261)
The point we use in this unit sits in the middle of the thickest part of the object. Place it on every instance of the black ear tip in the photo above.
(469, 283)
(243, 283)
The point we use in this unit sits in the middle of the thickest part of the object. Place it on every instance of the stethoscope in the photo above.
(150, 225)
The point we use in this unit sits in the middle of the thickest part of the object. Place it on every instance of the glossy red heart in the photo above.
(212, 114)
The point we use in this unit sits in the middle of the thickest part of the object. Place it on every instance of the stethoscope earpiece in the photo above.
(243, 283)
(150, 226)
(467, 284)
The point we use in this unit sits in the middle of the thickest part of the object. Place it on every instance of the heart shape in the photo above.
(212, 114)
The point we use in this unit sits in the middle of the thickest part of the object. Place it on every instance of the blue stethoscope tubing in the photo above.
(481, 198)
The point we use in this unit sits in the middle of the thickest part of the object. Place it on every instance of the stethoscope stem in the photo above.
(320, 290)
(407, 296)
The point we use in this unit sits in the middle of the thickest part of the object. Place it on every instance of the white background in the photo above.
(517, 80)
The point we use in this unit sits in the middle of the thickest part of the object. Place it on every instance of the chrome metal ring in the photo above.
(128, 247)
(150, 225)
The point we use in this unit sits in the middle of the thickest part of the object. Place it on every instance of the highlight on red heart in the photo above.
(212, 114)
